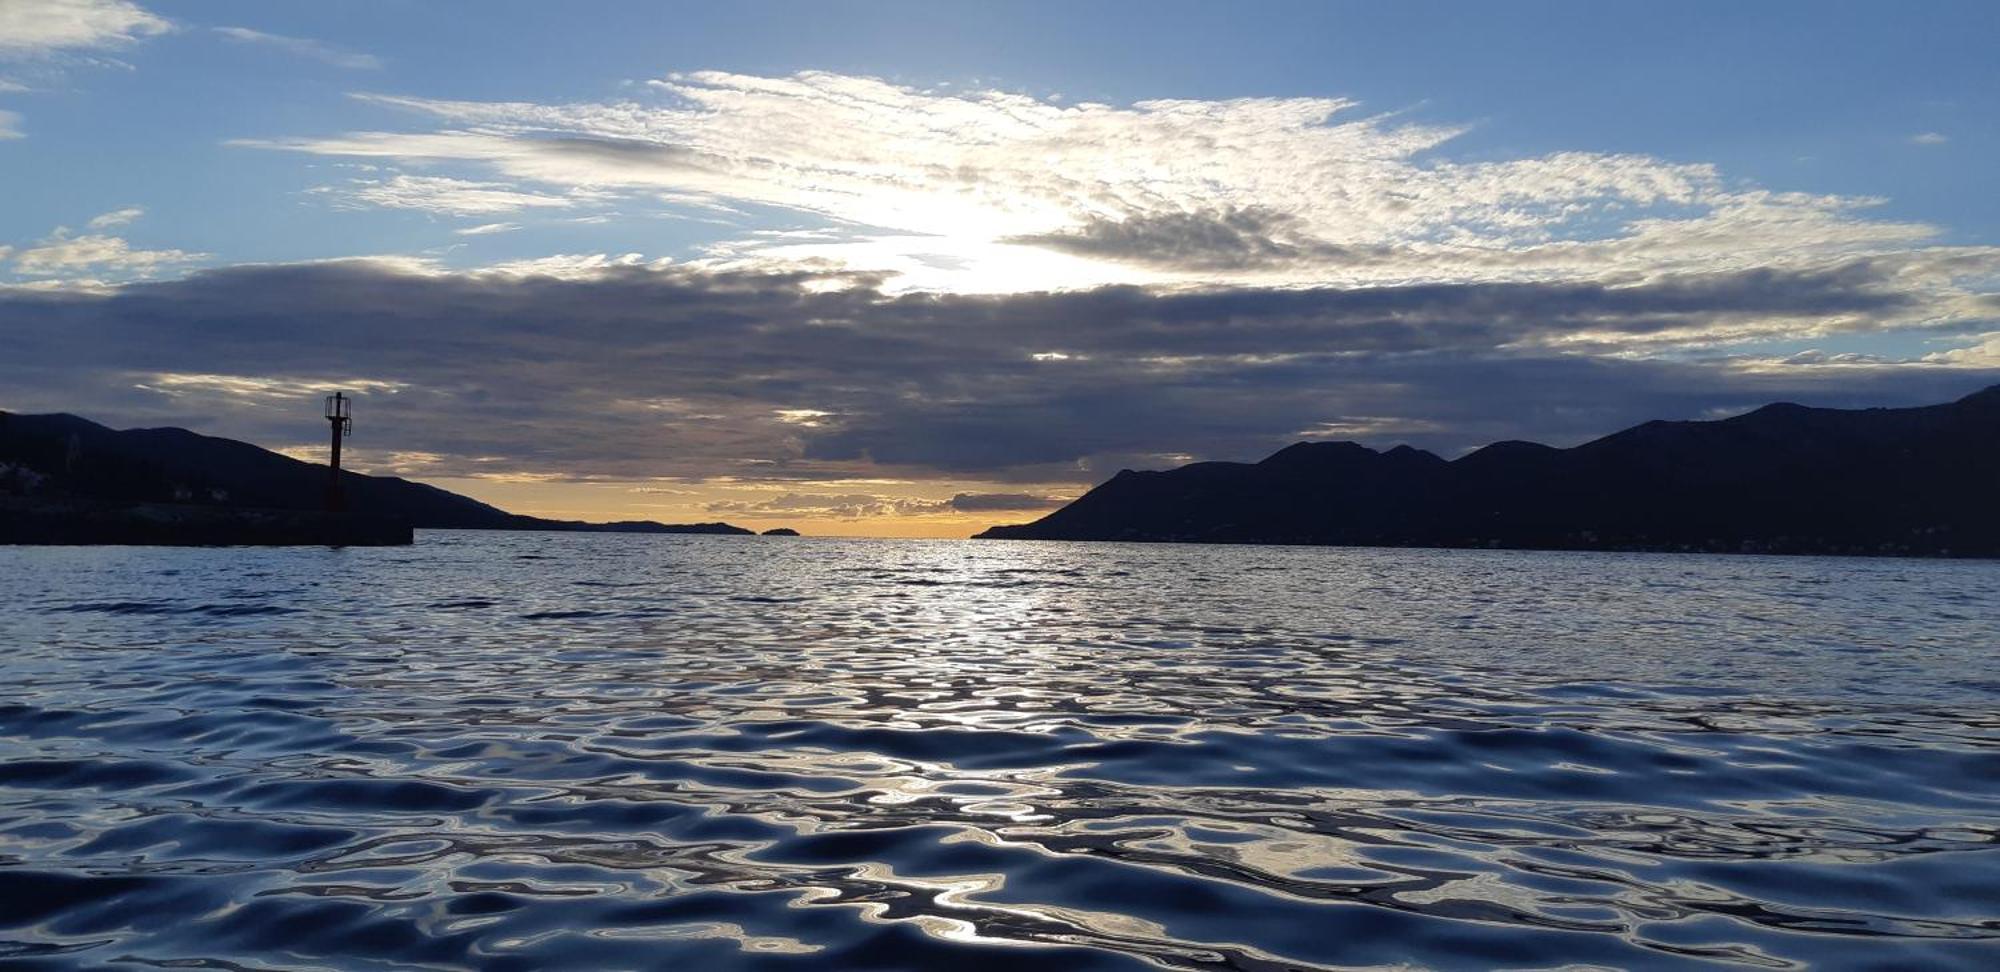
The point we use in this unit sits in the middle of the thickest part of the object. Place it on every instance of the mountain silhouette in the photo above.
(62, 455)
(1782, 479)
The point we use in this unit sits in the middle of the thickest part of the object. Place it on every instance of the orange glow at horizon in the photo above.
(609, 501)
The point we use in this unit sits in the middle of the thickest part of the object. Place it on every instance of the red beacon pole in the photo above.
(338, 408)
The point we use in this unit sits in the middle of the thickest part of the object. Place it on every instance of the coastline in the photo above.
(70, 522)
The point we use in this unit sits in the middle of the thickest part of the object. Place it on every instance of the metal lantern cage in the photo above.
(339, 411)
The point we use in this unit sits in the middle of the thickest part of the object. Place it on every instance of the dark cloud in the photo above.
(640, 372)
(1228, 239)
(1253, 239)
(987, 502)
(626, 157)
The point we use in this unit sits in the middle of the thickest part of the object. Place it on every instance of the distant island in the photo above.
(1782, 479)
(65, 479)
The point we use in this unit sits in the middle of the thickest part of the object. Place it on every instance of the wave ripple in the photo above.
(545, 751)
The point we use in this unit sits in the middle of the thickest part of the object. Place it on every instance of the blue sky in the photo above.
(1821, 173)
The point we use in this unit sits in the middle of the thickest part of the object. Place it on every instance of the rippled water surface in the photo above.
(547, 751)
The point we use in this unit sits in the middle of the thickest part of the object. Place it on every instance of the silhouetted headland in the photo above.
(66, 479)
(781, 532)
(1782, 479)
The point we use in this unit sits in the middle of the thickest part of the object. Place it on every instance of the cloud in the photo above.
(33, 28)
(1237, 239)
(269, 387)
(862, 506)
(598, 367)
(444, 196)
(48, 30)
(62, 253)
(1985, 354)
(832, 506)
(117, 217)
(999, 297)
(568, 266)
(995, 502)
(303, 47)
(1929, 138)
(991, 191)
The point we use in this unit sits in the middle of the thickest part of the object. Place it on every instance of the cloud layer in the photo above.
(642, 371)
(995, 191)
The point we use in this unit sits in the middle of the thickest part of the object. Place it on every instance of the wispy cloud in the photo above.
(117, 217)
(51, 31)
(303, 47)
(34, 28)
(832, 506)
(994, 191)
(445, 196)
(270, 387)
(1930, 138)
(487, 229)
(871, 505)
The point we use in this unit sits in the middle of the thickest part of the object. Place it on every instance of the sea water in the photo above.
(517, 750)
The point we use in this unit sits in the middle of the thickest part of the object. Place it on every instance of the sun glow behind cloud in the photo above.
(995, 192)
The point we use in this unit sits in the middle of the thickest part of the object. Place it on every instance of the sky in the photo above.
(913, 269)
